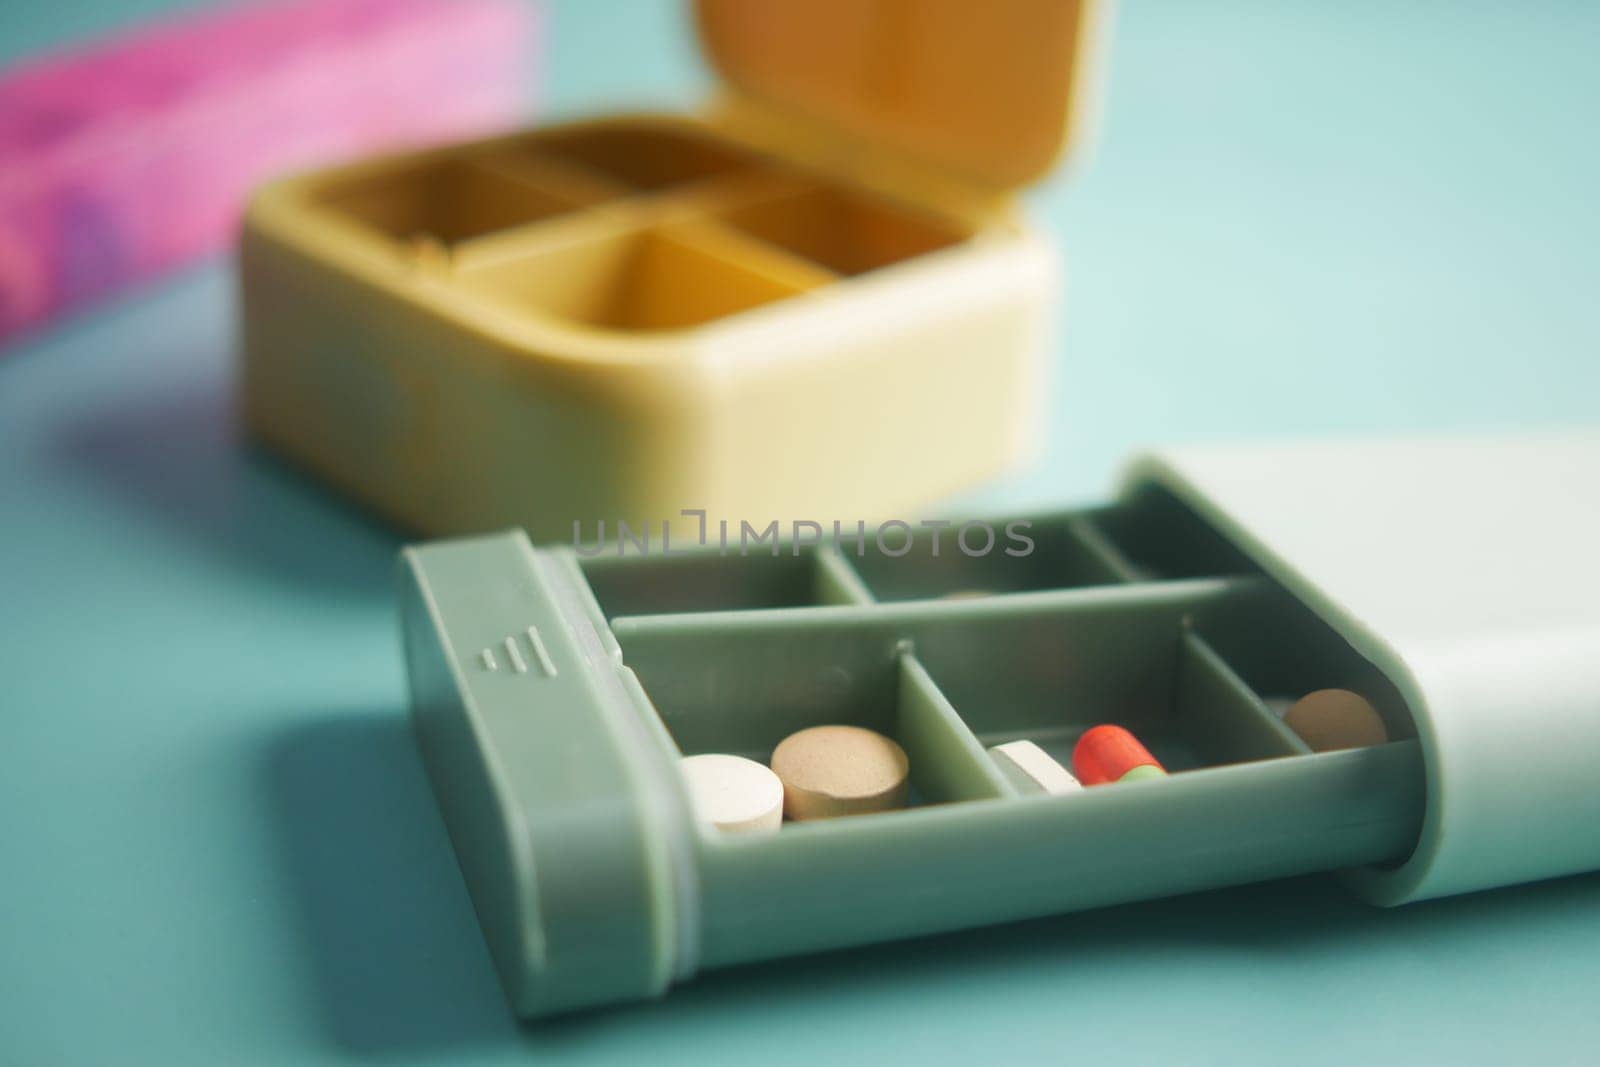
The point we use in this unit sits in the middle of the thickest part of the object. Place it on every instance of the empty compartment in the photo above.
(1256, 800)
(1228, 718)
(620, 277)
(448, 200)
(707, 581)
(1161, 538)
(644, 156)
(1047, 673)
(977, 559)
(734, 688)
(846, 231)
(1282, 650)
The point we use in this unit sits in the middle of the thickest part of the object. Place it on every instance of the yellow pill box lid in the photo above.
(1466, 570)
(992, 94)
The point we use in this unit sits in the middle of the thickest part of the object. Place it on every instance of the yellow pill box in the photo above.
(817, 298)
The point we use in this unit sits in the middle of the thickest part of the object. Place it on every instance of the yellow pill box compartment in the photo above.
(815, 298)
(554, 693)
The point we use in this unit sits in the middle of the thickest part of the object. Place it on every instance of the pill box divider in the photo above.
(610, 272)
(1111, 559)
(838, 581)
(1231, 724)
(585, 184)
(585, 196)
(979, 776)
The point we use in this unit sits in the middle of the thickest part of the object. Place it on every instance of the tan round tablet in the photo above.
(967, 594)
(733, 793)
(1329, 719)
(840, 770)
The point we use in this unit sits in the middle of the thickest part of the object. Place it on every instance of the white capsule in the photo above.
(1031, 769)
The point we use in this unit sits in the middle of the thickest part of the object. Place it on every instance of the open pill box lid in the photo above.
(1468, 571)
(992, 101)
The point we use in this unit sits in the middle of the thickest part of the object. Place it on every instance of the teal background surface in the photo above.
(216, 841)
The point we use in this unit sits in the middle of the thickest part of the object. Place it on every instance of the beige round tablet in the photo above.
(840, 770)
(1335, 718)
(967, 594)
(733, 793)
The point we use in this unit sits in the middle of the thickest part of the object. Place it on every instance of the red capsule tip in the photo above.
(1107, 752)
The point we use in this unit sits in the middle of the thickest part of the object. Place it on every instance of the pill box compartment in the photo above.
(692, 582)
(653, 156)
(743, 696)
(452, 200)
(1279, 650)
(844, 231)
(1130, 657)
(1144, 539)
(649, 225)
